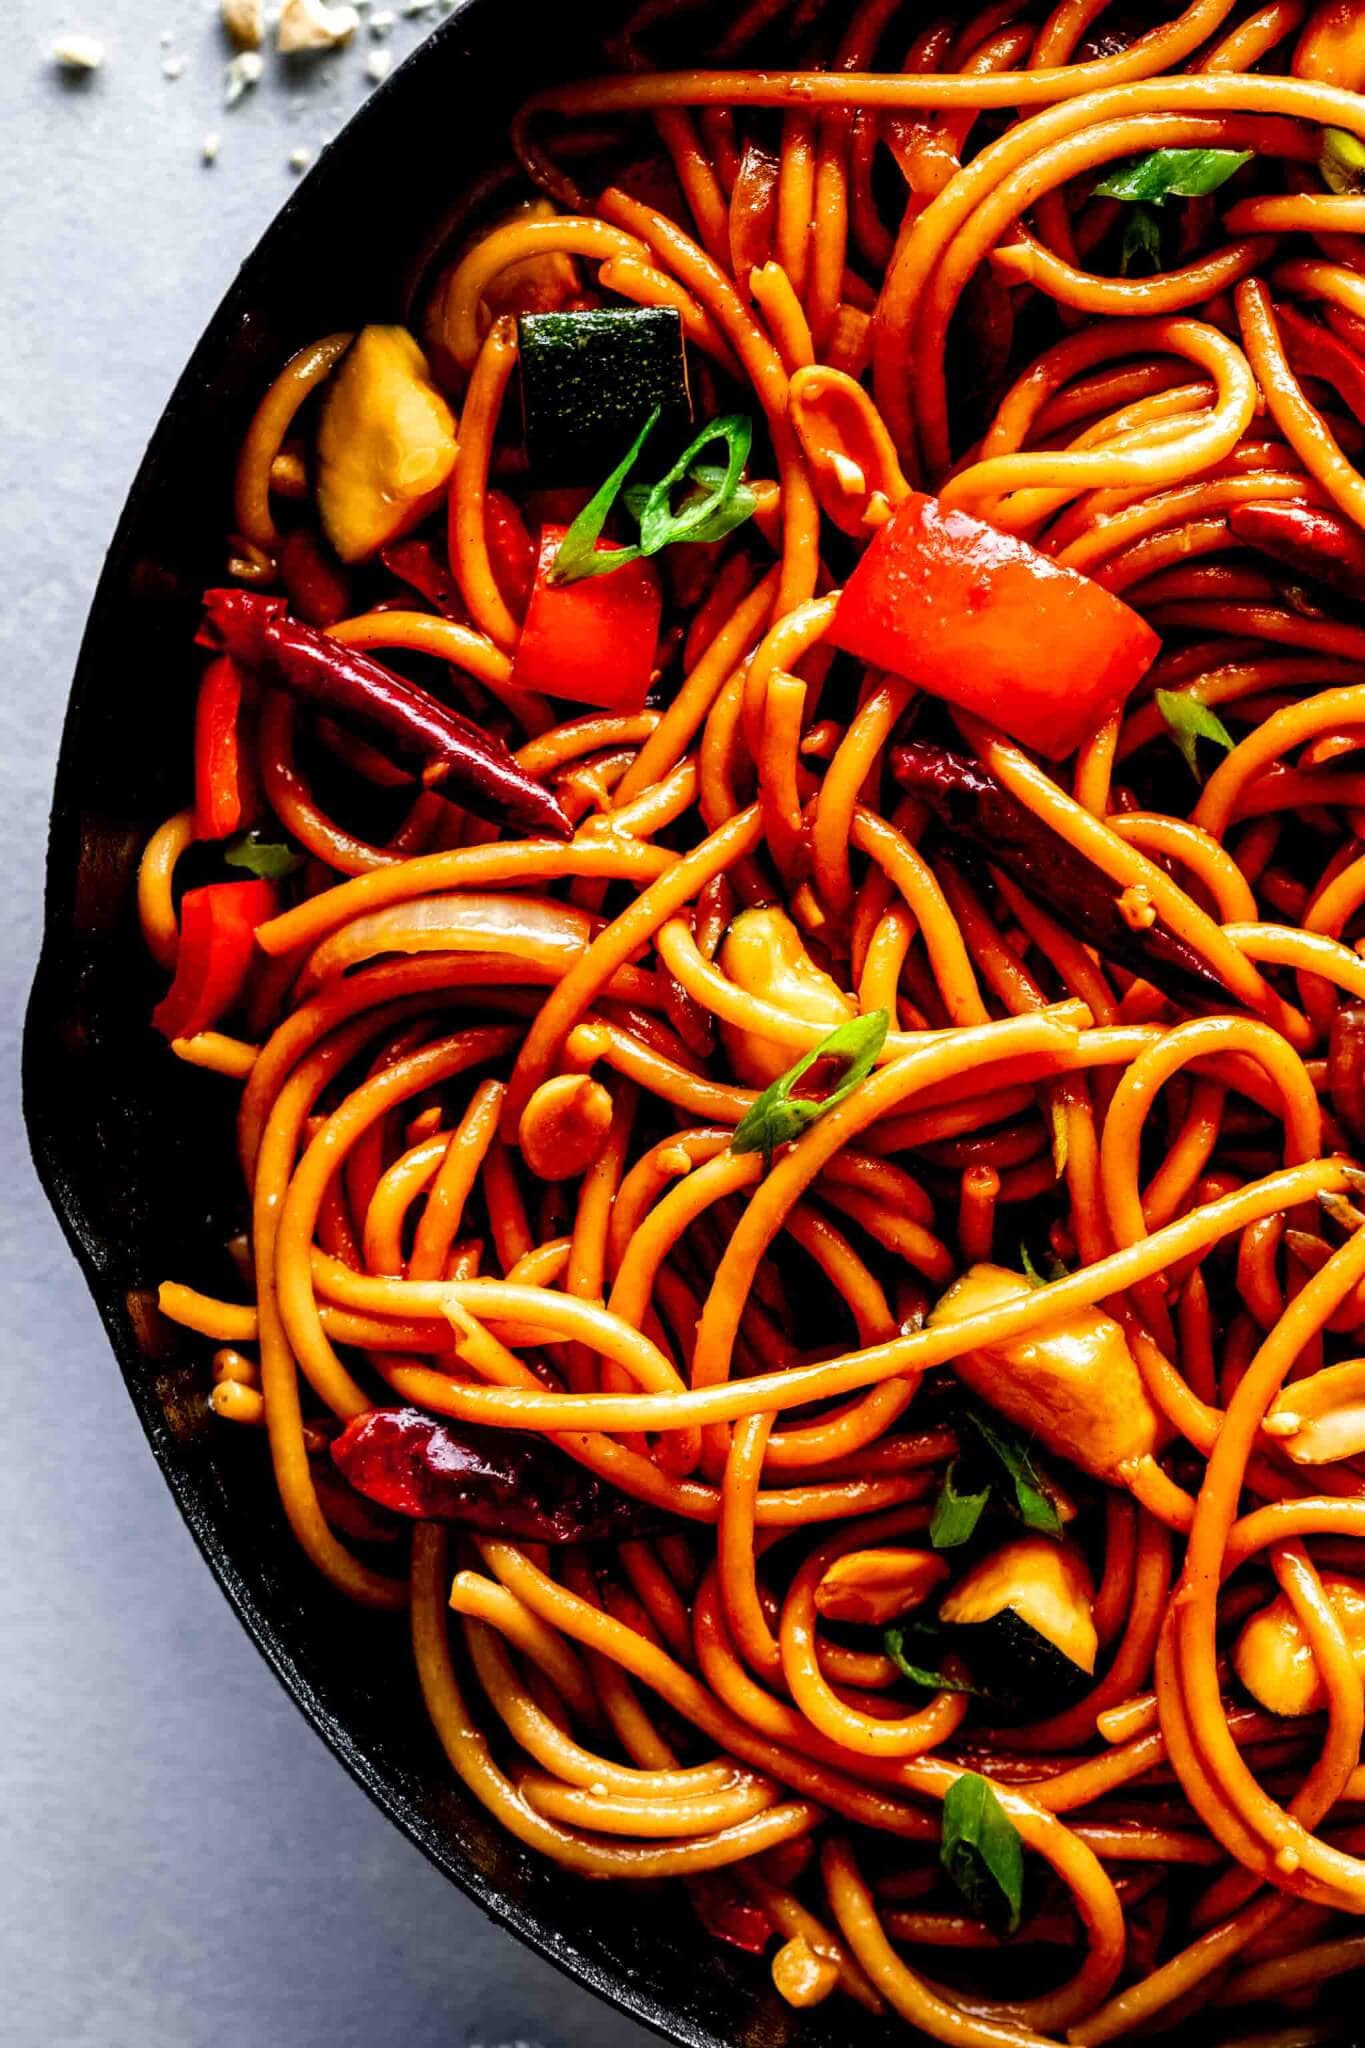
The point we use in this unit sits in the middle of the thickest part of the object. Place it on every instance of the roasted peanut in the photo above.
(874, 1586)
(564, 1126)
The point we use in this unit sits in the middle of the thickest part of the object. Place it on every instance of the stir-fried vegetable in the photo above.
(982, 619)
(780, 1114)
(764, 954)
(1075, 1385)
(594, 640)
(225, 792)
(217, 947)
(589, 378)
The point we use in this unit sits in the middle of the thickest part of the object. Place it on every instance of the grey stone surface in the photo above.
(182, 1865)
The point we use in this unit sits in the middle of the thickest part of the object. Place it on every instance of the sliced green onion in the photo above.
(269, 860)
(1140, 253)
(660, 525)
(1172, 174)
(907, 1639)
(1189, 722)
(577, 556)
(956, 1514)
(1032, 1505)
(1341, 160)
(719, 502)
(778, 1116)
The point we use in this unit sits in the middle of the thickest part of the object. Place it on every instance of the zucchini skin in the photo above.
(1024, 1673)
(590, 380)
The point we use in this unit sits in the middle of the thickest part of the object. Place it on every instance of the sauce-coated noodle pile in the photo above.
(913, 1503)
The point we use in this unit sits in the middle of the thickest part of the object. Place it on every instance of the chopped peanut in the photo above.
(308, 25)
(78, 52)
(874, 1586)
(1136, 907)
(564, 1126)
(244, 21)
(1322, 1418)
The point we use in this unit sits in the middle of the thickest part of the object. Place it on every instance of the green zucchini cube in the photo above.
(589, 381)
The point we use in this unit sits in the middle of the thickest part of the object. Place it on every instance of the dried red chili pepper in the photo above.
(500, 1482)
(1308, 539)
(969, 800)
(354, 690)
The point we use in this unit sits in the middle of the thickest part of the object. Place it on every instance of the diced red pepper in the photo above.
(980, 618)
(593, 641)
(225, 792)
(217, 948)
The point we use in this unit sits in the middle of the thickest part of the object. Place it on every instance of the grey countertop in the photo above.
(182, 1864)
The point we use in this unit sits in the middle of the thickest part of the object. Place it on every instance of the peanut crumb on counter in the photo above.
(300, 158)
(78, 52)
(378, 65)
(242, 74)
(244, 21)
(210, 146)
(173, 67)
(310, 25)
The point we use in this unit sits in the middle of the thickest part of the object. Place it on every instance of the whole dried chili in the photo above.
(971, 803)
(500, 1482)
(1310, 540)
(359, 694)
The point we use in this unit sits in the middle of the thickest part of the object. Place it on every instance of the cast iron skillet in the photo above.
(135, 1151)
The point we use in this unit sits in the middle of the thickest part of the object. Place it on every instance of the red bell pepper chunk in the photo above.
(595, 640)
(225, 793)
(980, 618)
(217, 948)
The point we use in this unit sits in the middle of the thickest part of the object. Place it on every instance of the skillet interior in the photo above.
(135, 1151)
